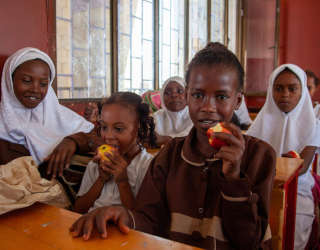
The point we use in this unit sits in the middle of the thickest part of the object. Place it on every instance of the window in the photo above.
(217, 21)
(153, 40)
(198, 31)
(171, 39)
(232, 25)
(83, 48)
(135, 39)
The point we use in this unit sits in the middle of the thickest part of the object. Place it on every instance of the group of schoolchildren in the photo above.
(189, 192)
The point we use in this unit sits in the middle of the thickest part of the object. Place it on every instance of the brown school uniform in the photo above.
(185, 197)
(10, 151)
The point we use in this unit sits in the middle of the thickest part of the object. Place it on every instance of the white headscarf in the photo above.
(168, 123)
(242, 113)
(287, 131)
(39, 129)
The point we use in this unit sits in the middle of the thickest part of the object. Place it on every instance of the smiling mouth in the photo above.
(208, 122)
(32, 98)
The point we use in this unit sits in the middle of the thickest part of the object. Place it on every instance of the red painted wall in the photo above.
(22, 23)
(300, 34)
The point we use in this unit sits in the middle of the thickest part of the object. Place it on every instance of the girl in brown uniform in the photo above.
(192, 193)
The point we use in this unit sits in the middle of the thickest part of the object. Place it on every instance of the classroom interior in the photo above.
(104, 46)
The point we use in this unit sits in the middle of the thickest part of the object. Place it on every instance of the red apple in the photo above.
(294, 154)
(215, 142)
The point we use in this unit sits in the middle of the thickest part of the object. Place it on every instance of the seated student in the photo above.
(125, 125)
(193, 193)
(32, 120)
(173, 119)
(243, 115)
(312, 84)
(287, 122)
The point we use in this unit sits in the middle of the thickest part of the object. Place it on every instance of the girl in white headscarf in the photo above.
(173, 119)
(243, 114)
(30, 114)
(287, 121)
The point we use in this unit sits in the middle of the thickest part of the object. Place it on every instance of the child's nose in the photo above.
(209, 105)
(36, 87)
(285, 93)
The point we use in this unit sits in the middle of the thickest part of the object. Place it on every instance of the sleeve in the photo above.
(90, 176)
(151, 214)
(246, 201)
(86, 142)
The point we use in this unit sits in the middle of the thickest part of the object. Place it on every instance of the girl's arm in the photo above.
(84, 202)
(117, 167)
(307, 155)
(126, 195)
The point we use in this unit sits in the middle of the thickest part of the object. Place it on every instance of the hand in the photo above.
(103, 175)
(116, 166)
(231, 154)
(60, 157)
(98, 218)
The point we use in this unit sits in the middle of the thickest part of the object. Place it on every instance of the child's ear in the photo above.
(239, 99)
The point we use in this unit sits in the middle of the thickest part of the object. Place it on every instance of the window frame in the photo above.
(51, 7)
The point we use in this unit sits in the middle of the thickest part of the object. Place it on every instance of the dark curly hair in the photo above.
(146, 133)
(216, 54)
(312, 75)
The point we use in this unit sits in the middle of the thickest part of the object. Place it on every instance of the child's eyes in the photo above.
(222, 97)
(119, 129)
(26, 80)
(197, 95)
(293, 89)
(44, 84)
(180, 91)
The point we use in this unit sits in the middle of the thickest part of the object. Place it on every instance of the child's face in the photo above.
(119, 127)
(286, 91)
(212, 95)
(30, 82)
(311, 85)
(174, 97)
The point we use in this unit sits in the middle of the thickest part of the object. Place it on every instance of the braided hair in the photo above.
(216, 54)
(146, 133)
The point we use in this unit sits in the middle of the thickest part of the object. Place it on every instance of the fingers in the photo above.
(76, 228)
(102, 218)
(51, 163)
(88, 227)
(122, 224)
(231, 140)
(235, 130)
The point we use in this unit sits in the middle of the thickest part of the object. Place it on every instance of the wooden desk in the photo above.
(283, 203)
(47, 228)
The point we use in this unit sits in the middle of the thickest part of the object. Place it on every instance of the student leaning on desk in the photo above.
(193, 193)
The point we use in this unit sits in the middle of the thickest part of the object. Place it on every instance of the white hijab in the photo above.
(242, 113)
(287, 131)
(168, 123)
(39, 129)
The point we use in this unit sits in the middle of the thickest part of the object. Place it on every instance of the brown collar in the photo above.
(189, 155)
